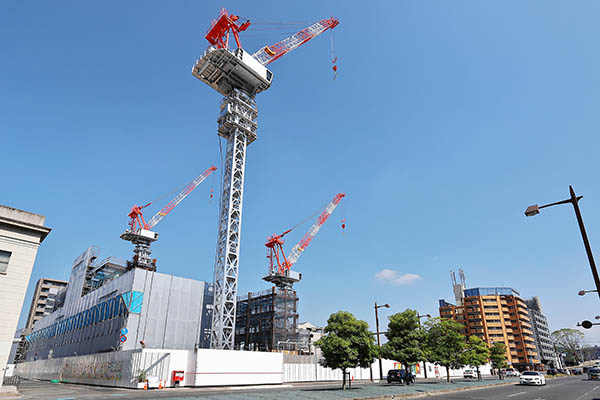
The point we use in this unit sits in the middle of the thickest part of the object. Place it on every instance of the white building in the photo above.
(21, 233)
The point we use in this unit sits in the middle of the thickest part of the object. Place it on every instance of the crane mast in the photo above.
(239, 77)
(139, 232)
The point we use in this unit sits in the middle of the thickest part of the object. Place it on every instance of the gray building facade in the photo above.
(541, 333)
(109, 308)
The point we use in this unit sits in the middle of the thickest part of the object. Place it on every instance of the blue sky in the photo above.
(446, 121)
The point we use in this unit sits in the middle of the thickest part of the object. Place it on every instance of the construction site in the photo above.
(115, 306)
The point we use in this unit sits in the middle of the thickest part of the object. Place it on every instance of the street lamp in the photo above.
(583, 292)
(419, 316)
(587, 324)
(378, 340)
(574, 200)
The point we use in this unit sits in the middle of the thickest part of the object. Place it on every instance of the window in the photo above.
(4, 259)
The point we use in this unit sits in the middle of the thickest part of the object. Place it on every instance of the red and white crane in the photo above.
(239, 76)
(139, 232)
(280, 272)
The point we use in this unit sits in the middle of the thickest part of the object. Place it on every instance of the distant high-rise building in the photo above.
(43, 302)
(541, 333)
(497, 314)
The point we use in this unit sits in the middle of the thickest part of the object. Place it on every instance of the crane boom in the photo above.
(314, 229)
(179, 198)
(268, 54)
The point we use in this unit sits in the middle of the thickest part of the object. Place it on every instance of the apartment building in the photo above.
(43, 302)
(497, 314)
(541, 333)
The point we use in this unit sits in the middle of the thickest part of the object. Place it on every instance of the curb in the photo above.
(433, 393)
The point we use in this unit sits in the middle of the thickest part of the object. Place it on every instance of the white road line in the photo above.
(583, 395)
(515, 394)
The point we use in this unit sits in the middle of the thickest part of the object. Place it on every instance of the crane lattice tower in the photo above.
(238, 76)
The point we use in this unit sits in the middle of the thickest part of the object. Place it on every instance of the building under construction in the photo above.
(267, 321)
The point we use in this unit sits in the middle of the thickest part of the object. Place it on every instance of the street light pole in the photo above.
(378, 339)
(419, 316)
(574, 200)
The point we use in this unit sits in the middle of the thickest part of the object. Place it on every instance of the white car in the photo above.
(470, 373)
(512, 372)
(532, 378)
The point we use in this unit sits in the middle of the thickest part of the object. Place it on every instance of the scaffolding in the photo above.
(97, 274)
(267, 321)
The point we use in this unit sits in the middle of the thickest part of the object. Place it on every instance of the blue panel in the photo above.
(137, 299)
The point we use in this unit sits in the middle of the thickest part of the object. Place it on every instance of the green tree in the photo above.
(347, 343)
(405, 339)
(568, 341)
(476, 353)
(498, 357)
(445, 343)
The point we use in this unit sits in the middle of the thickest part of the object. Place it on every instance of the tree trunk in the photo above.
(448, 374)
(478, 374)
(344, 379)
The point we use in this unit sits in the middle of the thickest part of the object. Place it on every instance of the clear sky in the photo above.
(446, 120)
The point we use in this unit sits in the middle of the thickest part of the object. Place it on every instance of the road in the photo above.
(569, 388)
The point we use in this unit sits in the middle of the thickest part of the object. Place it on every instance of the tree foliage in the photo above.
(476, 353)
(568, 341)
(405, 339)
(498, 357)
(445, 343)
(348, 343)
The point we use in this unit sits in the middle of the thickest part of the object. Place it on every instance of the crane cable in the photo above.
(333, 57)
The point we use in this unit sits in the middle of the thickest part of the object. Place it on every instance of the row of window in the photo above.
(104, 311)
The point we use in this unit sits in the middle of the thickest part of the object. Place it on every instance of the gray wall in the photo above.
(174, 314)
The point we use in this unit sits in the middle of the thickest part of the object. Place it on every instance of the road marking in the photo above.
(585, 394)
(515, 394)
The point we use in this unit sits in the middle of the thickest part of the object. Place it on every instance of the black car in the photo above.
(400, 375)
(551, 371)
(576, 371)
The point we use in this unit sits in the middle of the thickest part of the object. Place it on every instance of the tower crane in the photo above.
(239, 76)
(280, 272)
(139, 232)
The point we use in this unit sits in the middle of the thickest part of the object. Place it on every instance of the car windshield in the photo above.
(530, 373)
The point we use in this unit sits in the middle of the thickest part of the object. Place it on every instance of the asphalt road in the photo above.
(569, 388)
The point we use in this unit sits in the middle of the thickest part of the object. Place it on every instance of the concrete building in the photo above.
(541, 333)
(21, 234)
(108, 307)
(43, 301)
(497, 314)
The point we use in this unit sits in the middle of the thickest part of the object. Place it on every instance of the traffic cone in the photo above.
(145, 385)
(160, 384)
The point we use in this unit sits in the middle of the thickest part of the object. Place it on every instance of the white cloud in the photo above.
(395, 278)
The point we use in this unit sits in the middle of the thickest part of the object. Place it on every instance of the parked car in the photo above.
(594, 373)
(551, 371)
(585, 370)
(576, 371)
(512, 372)
(400, 376)
(470, 373)
(532, 378)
